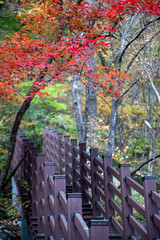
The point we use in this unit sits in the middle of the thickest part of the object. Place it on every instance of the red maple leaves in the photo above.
(67, 34)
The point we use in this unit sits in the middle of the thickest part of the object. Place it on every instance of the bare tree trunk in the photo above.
(150, 114)
(77, 106)
(91, 106)
(112, 125)
(92, 115)
(87, 124)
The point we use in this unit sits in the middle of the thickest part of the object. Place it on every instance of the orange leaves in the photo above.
(110, 80)
(6, 92)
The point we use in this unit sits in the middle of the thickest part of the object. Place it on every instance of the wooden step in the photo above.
(68, 188)
(115, 236)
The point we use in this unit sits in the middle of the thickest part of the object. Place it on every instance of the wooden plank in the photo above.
(100, 208)
(156, 219)
(62, 198)
(64, 225)
(115, 205)
(114, 172)
(51, 202)
(81, 226)
(77, 173)
(155, 197)
(78, 186)
(117, 225)
(132, 183)
(52, 223)
(140, 229)
(88, 195)
(99, 177)
(76, 149)
(87, 168)
(115, 189)
(86, 155)
(136, 205)
(98, 162)
(100, 192)
(88, 183)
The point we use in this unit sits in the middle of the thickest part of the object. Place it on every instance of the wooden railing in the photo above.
(94, 181)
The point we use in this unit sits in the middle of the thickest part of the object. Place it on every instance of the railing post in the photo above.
(149, 185)
(60, 146)
(74, 201)
(18, 154)
(59, 185)
(45, 138)
(83, 172)
(74, 155)
(107, 161)
(47, 144)
(66, 140)
(98, 229)
(126, 208)
(34, 217)
(41, 157)
(55, 149)
(25, 141)
(27, 170)
(94, 181)
(49, 169)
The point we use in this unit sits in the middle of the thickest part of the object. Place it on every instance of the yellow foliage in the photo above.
(27, 124)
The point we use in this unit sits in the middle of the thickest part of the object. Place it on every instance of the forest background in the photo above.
(107, 96)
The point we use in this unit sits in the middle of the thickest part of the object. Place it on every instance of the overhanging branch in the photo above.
(142, 30)
(144, 163)
(129, 88)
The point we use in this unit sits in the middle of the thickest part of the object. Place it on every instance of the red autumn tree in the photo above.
(57, 39)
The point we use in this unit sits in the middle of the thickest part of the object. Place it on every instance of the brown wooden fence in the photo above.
(76, 195)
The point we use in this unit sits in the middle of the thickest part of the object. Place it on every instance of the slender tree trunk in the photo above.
(87, 124)
(150, 114)
(77, 106)
(112, 125)
(92, 116)
(87, 129)
(91, 105)
(12, 142)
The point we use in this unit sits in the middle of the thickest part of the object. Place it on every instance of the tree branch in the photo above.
(15, 169)
(144, 163)
(142, 30)
(151, 81)
(104, 100)
(129, 88)
(137, 53)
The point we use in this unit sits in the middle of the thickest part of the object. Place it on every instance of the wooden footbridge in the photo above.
(69, 193)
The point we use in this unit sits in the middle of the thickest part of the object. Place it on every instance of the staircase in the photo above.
(87, 213)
